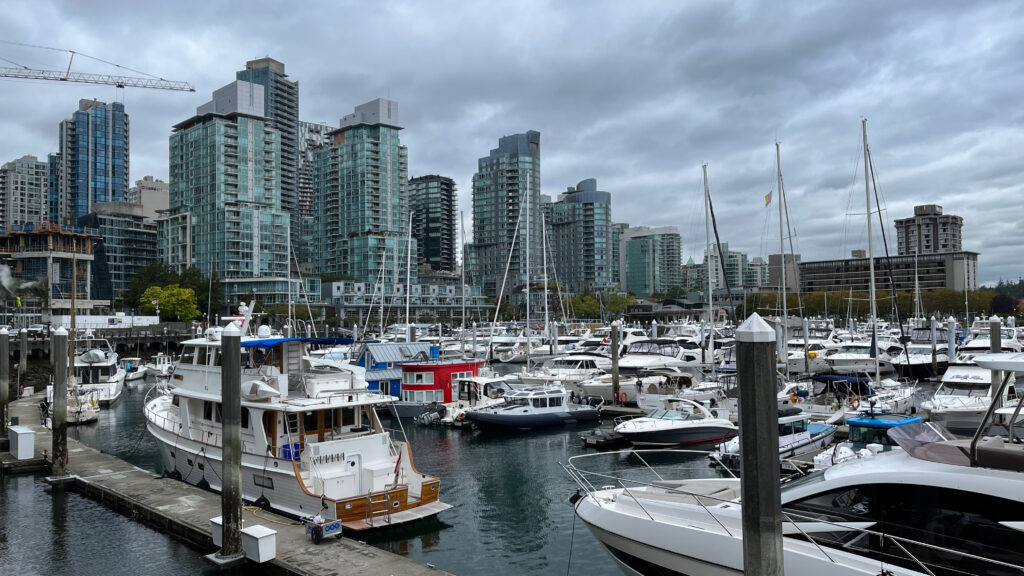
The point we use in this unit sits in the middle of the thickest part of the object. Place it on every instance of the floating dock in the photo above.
(184, 511)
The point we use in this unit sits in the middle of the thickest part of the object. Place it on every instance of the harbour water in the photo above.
(510, 513)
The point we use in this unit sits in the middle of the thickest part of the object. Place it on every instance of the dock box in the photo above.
(22, 442)
(216, 531)
(259, 543)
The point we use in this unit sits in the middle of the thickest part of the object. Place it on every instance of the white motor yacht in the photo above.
(964, 396)
(133, 368)
(681, 423)
(311, 440)
(856, 358)
(96, 369)
(161, 365)
(569, 370)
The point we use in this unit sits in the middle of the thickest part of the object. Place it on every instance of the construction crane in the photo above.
(26, 73)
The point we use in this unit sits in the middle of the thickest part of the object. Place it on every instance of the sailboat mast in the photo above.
(707, 258)
(462, 227)
(408, 279)
(871, 254)
(782, 262)
(544, 252)
(529, 225)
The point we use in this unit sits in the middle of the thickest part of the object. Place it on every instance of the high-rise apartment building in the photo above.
(305, 241)
(151, 193)
(224, 175)
(507, 203)
(617, 229)
(361, 194)
(92, 165)
(281, 109)
(127, 244)
(929, 231)
(650, 260)
(579, 236)
(24, 185)
(432, 201)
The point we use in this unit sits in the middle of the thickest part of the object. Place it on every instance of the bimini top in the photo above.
(268, 343)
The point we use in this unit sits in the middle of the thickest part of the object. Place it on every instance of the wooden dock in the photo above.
(184, 511)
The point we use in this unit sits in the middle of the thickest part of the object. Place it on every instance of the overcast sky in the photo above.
(636, 94)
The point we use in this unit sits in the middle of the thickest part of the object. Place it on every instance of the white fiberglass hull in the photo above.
(686, 540)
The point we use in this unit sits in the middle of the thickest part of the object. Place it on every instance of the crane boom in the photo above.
(119, 81)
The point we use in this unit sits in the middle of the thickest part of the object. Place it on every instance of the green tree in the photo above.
(174, 302)
(152, 274)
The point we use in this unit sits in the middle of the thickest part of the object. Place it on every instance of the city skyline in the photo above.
(665, 89)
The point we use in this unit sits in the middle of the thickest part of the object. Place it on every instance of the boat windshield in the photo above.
(962, 389)
(867, 435)
(520, 401)
(919, 349)
(674, 415)
(651, 347)
(862, 349)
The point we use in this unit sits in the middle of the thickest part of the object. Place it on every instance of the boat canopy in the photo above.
(268, 343)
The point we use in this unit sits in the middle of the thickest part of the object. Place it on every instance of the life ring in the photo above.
(855, 403)
(622, 398)
(792, 397)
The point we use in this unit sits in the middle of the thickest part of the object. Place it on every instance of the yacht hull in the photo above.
(525, 421)
(690, 437)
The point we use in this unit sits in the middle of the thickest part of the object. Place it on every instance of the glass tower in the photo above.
(579, 237)
(432, 199)
(224, 174)
(361, 194)
(500, 188)
(92, 165)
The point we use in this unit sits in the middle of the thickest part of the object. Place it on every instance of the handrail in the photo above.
(580, 476)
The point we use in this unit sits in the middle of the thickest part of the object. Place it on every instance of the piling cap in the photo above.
(755, 329)
(231, 330)
(23, 331)
(60, 331)
(951, 319)
(3, 331)
(994, 318)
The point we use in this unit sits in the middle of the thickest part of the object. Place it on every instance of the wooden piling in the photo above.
(759, 449)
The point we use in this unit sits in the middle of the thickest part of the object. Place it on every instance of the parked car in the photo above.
(37, 330)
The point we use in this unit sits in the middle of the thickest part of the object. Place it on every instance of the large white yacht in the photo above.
(311, 441)
(922, 510)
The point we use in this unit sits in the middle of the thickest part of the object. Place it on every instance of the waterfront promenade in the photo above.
(184, 511)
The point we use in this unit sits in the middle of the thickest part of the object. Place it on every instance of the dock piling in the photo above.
(231, 462)
(59, 425)
(5, 378)
(759, 448)
(995, 345)
(22, 354)
(615, 361)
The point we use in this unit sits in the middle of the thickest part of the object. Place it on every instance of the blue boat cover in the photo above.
(868, 422)
(268, 343)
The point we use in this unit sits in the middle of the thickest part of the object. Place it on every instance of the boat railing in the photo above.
(583, 480)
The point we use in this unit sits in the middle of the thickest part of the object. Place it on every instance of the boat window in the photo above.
(245, 417)
(201, 355)
(948, 522)
(849, 503)
(309, 421)
(540, 403)
(211, 411)
(866, 435)
(962, 389)
(188, 355)
(263, 481)
(518, 401)
(174, 401)
(348, 416)
(215, 352)
(554, 401)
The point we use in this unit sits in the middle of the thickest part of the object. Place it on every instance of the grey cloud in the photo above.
(637, 95)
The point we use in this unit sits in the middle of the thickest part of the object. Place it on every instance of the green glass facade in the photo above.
(361, 198)
(224, 174)
(650, 260)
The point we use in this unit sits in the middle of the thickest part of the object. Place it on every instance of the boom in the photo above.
(119, 81)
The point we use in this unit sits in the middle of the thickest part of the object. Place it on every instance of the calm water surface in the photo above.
(510, 513)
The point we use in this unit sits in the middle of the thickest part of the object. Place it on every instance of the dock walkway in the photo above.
(184, 511)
